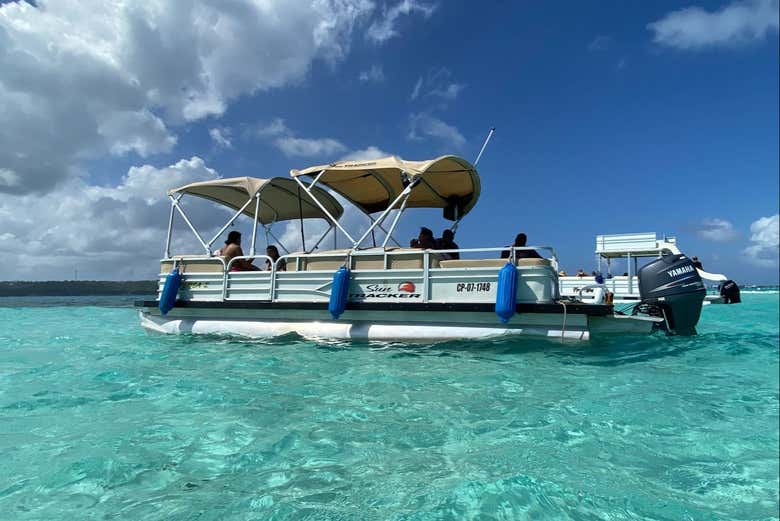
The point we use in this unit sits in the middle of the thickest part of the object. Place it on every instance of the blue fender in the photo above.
(170, 291)
(506, 294)
(339, 293)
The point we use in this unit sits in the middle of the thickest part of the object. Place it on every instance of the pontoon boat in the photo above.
(382, 291)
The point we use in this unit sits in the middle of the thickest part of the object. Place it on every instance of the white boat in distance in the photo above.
(385, 292)
(625, 288)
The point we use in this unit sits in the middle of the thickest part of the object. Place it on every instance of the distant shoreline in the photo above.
(76, 288)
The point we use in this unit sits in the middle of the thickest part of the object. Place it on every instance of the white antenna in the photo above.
(490, 134)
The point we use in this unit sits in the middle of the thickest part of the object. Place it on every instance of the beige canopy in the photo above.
(447, 182)
(281, 198)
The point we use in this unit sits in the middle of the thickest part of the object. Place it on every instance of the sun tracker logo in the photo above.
(407, 286)
(405, 290)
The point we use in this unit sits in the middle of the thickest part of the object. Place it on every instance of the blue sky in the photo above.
(611, 117)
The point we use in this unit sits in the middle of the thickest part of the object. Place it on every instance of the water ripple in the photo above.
(101, 421)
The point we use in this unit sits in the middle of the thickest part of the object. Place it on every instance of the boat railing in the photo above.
(224, 284)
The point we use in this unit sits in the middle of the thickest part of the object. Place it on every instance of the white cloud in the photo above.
(277, 127)
(113, 232)
(423, 126)
(600, 43)
(283, 138)
(221, 136)
(300, 147)
(417, 87)
(373, 75)
(385, 28)
(765, 241)
(365, 154)
(718, 230)
(8, 178)
(86, 78)
(437, 84)
(735, 24)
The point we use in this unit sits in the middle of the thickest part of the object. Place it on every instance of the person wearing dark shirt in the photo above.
(520, 242)
(424, 240)
(696, 262)
(447, 242)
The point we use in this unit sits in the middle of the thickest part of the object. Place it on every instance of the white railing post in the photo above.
(170, 232)
(426, 275)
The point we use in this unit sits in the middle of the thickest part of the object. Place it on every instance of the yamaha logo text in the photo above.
(676, 272)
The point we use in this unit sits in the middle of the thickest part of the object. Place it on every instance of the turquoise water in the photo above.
(100, 421)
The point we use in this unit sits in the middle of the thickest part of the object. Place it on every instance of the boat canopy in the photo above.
(447, 182)
(281, 198)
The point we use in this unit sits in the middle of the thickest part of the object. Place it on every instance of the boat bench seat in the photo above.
(490, 263)
(332, 260)
(191, 265)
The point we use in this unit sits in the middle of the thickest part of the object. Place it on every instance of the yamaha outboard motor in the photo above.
(730, 292)
(670, 287)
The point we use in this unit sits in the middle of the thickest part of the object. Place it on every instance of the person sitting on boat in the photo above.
(696, 262)
(424, 240)
(520, 241)
(447, 242)
(273, 252)
(581, 273)
(231, 249)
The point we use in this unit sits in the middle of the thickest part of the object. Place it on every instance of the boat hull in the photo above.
(433, 324)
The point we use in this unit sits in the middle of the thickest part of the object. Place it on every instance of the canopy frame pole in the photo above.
(322, 207)
(316, 179)
(177, 205)
(458, 218)
(254, 224)
(484, 145)
(170, 230)
(381, 228)
(404, 193)
(300, 215)
(330, 227)
(395, 220)
(230, 221)
(268, 229)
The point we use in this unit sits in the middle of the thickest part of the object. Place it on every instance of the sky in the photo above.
(610, 117)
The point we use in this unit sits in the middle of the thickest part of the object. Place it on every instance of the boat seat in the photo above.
(332, 260)
(534, 262)
(191, 265)
(490, 263)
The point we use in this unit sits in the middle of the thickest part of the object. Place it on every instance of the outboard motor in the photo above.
(730, 292)
(670, 287)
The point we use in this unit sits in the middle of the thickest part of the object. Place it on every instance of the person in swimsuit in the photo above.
(231, 249)
(273, 252)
